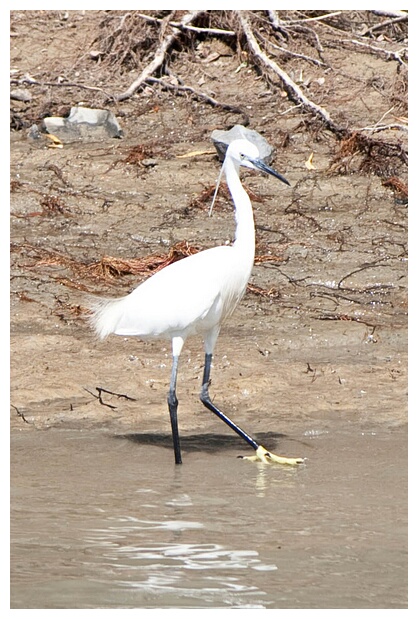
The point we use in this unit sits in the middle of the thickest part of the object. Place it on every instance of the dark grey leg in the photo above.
(172, 407)
(205, 398)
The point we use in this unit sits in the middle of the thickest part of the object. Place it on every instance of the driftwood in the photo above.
(245, 31)
(159, 57)
(261, 38)
(292, 89)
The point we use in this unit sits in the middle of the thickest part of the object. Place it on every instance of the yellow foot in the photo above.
(262, 455)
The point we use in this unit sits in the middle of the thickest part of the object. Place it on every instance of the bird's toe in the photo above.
(263, 455)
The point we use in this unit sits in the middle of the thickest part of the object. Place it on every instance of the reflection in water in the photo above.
(159, 568)
(100, 523)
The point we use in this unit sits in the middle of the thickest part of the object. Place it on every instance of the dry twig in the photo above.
(292, 89)
(159, 57)
(181, 26)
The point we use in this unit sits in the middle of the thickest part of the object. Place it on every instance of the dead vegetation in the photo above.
(281, 45)
(275, 42)
(296, 55)
(109, 268)
(105, 269)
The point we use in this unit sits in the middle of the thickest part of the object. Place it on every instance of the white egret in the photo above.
(194, 296)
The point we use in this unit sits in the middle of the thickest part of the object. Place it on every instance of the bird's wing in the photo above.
(187, 296)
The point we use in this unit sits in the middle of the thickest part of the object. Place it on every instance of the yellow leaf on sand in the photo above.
(309, 163)
(55, 142)
(196, 152)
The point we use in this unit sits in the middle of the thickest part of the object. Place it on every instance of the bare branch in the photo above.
(278, 24)
(181, 26)
(400, 14)
(291, 54)
(294, 92)
(383, 24)
(30, 80)
(379, 127)
(381, 51)
(159, 57)
(391, 126)
(310, 19)
(21, 415)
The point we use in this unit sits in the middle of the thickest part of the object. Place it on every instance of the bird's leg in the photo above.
(205, 398)
(262, 454)
(172, 407)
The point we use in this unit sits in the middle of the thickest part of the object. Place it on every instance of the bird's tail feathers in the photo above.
(104, 315)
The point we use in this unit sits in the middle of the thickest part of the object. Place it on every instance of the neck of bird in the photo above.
(245, 231)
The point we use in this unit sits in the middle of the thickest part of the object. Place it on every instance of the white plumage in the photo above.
(194, 295)
(188, 297)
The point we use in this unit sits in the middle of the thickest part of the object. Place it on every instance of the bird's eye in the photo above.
(242, 156)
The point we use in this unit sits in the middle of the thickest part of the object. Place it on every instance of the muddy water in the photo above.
(99, 520)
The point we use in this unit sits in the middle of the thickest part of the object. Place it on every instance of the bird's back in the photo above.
(189, 296)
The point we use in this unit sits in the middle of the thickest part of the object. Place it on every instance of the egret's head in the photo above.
(246, 154)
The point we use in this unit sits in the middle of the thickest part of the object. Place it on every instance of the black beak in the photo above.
(258, 163)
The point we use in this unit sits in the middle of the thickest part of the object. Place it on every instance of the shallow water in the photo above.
(103, 521)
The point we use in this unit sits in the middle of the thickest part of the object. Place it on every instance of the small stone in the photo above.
(84, 123)
(222, 140)
(21, 94)
(149, 163)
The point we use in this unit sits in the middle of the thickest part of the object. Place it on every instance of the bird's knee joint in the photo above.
(204, 394)
(172, 400)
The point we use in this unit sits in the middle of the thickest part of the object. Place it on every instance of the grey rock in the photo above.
(83, 123)
(149, 163)
(222, 140)
(21, 94)
(34, 133)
